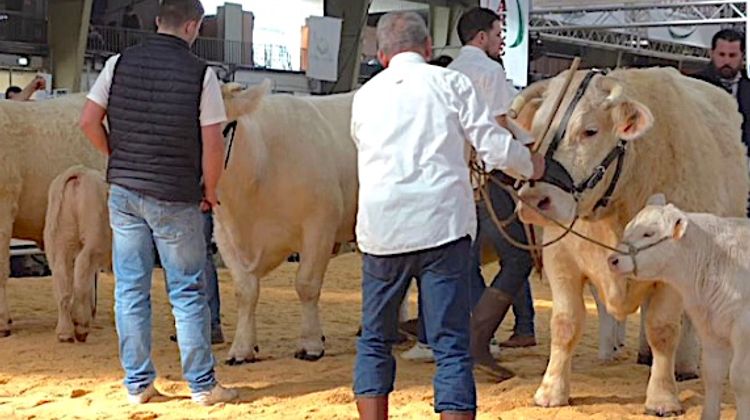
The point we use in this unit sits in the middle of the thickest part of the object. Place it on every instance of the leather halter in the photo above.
(557, 175)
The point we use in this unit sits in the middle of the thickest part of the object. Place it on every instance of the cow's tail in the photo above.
(55, 199)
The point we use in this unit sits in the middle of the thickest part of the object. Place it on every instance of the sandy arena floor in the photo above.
(43, 379)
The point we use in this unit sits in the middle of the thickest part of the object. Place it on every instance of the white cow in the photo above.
(660, 132)
(290, 185)
(38, 141)
(78, 243)
(706, 258)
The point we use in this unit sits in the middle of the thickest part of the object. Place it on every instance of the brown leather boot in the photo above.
(456, 415)
(372, 408)
(485, 318)
(516, 341)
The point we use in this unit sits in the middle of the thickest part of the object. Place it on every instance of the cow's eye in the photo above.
(648, 234)
(590, 132)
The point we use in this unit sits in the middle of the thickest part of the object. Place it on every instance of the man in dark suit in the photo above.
(726, 72)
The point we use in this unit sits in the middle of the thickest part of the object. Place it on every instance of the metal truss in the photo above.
(624, 27)
(640, 15)
(633, 43)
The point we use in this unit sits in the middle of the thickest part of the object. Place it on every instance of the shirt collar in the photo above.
(406, 57)
(472, 50)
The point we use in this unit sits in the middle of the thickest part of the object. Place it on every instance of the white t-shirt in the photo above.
(211, 107)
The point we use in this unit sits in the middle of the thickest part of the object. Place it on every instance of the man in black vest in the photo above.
(164, 110)
(726, 72)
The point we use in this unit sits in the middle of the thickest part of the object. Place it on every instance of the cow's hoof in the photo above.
(685, 376)
(545, 397)
(644, 359)
(4, 333)
(664, 412)
(64, 339)
(238, 362)
(304, 355)
(81, 337)
(665, 406)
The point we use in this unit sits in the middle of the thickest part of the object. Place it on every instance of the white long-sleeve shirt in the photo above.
(488, 77)
(410, 124)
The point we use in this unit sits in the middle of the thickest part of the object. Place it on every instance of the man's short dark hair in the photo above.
(475, 21)
(174, 13)
(12, 90)
(729, 35)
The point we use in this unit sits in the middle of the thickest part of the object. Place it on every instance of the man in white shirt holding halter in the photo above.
(416, 216)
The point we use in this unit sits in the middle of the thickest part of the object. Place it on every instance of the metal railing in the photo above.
(20, 28)
(108, 40)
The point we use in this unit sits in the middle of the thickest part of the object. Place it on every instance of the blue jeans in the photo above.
(523, 312)
(138, 223)
(442, 274)
(513, 278)
(210, 277)
(209, 273)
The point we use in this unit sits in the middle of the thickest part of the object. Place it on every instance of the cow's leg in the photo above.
(312, 267)
(740, 366)
(245, 343)
(611, 331)
(663, 332)
(247, 288)
(6, 230)
(62, 280)
(83, 286)
(688, 352)
(716, 360)
(568, 313)
(403, 310)
(644, 351)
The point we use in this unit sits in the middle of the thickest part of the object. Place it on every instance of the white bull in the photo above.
(290, 185)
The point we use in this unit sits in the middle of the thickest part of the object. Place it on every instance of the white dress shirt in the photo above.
(211, 107)
(410, 124)
(488, 77)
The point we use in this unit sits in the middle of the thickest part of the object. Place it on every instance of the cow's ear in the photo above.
(657, 199)
(631, 119)
(680, 225)
(246, 101)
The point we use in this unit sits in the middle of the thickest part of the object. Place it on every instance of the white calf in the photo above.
(706, 258)
(78, 243)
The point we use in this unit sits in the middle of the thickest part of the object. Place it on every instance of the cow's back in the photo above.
(291, 167)
(337, 110)
(694, 153)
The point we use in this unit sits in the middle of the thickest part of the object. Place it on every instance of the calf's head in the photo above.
(650, 241)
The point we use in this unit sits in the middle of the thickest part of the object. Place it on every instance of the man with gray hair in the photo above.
(416, 216)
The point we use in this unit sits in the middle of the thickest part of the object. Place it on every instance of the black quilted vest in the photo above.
(154, 120)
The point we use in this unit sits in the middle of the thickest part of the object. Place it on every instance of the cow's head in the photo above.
(603, 116)
(239, 101)
(650, 241)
